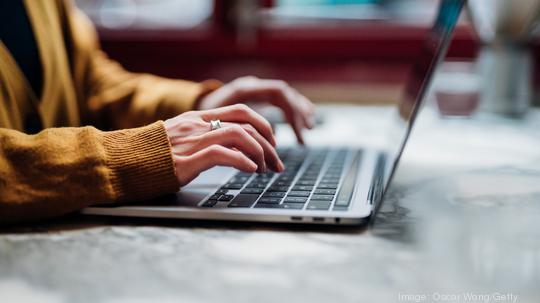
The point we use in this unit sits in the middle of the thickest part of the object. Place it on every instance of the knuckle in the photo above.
(201, 124)
(267, 125)
(249, 129)
(260, 151)
(242, 108)
(245, 79)
(282, 83)
(214, 150)
(250, 77)
(235, 130)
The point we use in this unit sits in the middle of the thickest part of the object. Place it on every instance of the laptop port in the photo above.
(338, 220)
(318, 219)
(296, 218)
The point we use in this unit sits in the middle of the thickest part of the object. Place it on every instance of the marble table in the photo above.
(461, 223)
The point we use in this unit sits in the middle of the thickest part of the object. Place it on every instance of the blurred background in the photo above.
(347, 51)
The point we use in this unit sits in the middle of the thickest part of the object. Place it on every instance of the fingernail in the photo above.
(311, 122)
(281, 166)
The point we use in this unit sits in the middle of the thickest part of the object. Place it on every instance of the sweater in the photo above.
(103, 139)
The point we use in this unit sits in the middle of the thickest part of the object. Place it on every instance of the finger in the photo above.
(191, 166)
(297, 128)
(241, 113)
(283, 100)
(234, 136)
(280, 94)
(308, 110)
(292, 97)
(270, 155)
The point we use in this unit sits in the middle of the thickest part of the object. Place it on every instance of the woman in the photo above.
(57, 88)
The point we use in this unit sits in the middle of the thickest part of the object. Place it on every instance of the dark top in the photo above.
(17, 35)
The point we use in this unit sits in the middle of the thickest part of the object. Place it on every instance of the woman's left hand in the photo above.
(297, 109)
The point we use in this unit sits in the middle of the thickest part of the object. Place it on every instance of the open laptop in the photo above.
(319, 185)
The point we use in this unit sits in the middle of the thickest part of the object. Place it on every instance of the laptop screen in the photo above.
(432, 54)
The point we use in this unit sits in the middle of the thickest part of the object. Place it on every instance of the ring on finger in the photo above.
(215, 124)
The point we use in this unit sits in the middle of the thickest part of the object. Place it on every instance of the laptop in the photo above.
(323, 185)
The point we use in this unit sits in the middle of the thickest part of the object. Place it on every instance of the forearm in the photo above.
(65, 169)
(119, 98)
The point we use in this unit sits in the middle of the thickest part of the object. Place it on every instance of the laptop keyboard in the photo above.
(312, 180)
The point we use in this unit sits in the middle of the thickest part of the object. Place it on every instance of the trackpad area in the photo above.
(212, 178)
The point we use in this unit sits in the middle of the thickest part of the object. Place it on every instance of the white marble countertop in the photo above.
(462, 219)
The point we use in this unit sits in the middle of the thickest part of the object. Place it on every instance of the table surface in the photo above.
(461, 219)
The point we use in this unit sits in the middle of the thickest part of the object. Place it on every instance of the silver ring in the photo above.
(215, 124)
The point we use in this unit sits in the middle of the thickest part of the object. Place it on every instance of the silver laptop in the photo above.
(337, 186)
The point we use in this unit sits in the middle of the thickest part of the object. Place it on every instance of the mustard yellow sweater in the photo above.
(70, 164)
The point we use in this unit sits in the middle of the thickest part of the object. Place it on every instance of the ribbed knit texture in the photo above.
(141, 162)
(71, 164)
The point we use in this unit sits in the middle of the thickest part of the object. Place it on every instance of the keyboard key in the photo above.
(279, 188)
(252, 191)
(322, 197)
(243, 174)
(299, 193)
(262, 180)
(214, 196)
(309, 183)
(232, 186)
(269, 200)
(274, 194)
(327, 186)
(295, 199)
(266, 175)
(285, 178)
(291, 206)
(302, 188)
(325, 191)
(243, 200)
(241, 180)
(209, 203)
(319, 205)
(221, 191)
(225, 197)
(330, 180)
(257, 185)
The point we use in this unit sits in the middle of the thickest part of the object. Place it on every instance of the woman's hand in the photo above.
(245, 141)
(297, 109)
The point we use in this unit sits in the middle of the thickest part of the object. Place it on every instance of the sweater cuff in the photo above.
(141, 162)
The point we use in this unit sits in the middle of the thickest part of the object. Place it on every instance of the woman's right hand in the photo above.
(245, 141)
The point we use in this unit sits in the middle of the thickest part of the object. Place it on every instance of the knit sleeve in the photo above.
(61, 170)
